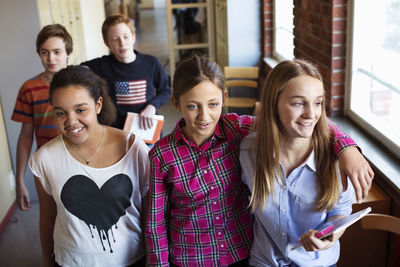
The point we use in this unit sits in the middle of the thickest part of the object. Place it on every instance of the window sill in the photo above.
(382, 160)
(271, 62)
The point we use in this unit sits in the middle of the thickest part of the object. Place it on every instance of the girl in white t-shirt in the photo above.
(92, 180)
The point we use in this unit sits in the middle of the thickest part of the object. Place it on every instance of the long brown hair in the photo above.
(268, 139)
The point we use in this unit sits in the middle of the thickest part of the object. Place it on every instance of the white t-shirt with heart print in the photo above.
(98, 209)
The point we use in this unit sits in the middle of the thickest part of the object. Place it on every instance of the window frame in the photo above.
(389, 144)
(275, 54)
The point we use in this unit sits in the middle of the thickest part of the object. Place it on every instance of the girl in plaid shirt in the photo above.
(198, 210)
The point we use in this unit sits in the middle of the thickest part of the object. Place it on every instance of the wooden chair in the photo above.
(374, 221)
(242, 78)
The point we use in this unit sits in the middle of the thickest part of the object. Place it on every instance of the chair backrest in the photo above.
(374, 221)
(241, 72)
(240, 77)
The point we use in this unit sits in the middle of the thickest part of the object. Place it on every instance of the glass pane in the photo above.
(190, 25)
(284, 46)
(185, 53)
(375, 88)
(187, 1)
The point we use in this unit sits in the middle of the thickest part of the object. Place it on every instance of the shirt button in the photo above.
(212, 187)
(215, 202)
(217, 217)
(284, 187)
(283, 233)
(205, 172)
(283, 210)
(222, 245)
(219, 233)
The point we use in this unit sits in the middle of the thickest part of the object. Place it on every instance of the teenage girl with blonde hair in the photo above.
(198, 209)
(291, 170)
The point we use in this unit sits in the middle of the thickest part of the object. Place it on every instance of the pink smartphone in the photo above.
(324, 232)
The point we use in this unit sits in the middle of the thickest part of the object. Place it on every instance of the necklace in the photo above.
(87, 161)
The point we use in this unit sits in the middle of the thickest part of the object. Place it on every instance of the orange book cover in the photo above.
(149, 136)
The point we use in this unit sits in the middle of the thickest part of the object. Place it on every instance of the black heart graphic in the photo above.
(100, 208)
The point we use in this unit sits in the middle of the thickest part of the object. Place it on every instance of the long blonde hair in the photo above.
(269, 137)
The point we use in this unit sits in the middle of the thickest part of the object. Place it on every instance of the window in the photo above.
(283, 29)
(374, 65)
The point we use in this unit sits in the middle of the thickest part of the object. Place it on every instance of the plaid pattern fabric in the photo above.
(342, 140)
(198, 208)
(198, 212)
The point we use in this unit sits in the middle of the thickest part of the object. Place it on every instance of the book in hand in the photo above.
(149, 136)
(335, 226)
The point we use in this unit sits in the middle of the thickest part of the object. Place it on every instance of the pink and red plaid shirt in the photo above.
(198, 213)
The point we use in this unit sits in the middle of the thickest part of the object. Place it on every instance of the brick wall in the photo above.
(320, 37)
(267, 33)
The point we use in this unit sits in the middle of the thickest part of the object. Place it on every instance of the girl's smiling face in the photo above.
(75, 112)
(201, 107)
(299, 106)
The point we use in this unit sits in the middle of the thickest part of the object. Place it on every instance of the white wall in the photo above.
(159, 4)
(7, 179)
(92, 20)
(244, 36)
(18, 62)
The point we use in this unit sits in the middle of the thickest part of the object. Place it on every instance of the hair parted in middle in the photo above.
(268, 139)
(194, 70)
(97, 87)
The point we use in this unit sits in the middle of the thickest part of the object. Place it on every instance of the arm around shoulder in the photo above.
(356, 167)
(352, 164)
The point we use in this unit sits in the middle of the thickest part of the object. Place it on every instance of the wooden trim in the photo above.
(241, 83)
(191, 5)
(7, 218)
(382, 222)
(191, 46)
(241, 72)
(173, 47)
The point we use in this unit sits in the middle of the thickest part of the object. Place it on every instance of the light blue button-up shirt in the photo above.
(290, 213)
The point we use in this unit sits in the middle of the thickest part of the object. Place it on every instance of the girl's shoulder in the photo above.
(234, 125)
(54, 145)
(248, 142)
(120, 138)
(121, 144)
(54, 149)
(165, 143)
(233, 118)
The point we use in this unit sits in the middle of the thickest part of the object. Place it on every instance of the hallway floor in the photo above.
(20, 243)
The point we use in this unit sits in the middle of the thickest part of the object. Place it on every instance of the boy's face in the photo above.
(120, 40)
(53, 55)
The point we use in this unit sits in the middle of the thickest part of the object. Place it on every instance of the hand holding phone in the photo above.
(336, 226)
